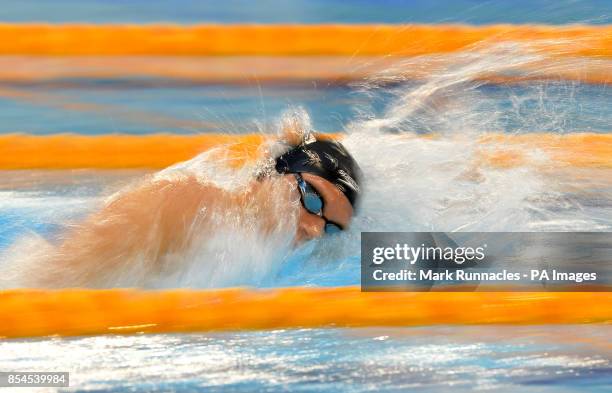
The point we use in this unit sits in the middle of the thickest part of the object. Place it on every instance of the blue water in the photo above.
(181, 110)
(309, 11)
(98, 109)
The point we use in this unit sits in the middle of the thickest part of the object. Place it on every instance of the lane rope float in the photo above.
(73, 312)
(155, 151)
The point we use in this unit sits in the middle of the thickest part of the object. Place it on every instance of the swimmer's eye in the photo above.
(313, 203)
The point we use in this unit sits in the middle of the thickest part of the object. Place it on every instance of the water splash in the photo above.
(420, 145)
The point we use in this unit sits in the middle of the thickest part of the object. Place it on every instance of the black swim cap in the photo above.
(327, 159)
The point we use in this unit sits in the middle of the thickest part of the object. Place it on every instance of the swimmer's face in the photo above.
(336, 208)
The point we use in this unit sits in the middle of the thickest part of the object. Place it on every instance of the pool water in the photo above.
(463, 359)
(413, 184)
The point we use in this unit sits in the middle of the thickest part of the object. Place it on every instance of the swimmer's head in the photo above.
(328, 159)
(329, 182)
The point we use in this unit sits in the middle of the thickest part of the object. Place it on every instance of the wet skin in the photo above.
(336, 208)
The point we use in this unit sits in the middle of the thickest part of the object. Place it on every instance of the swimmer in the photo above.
(309, 190)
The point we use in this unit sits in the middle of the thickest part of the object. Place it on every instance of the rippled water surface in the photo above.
(464, 359)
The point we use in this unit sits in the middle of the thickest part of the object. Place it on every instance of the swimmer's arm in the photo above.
(142, 224)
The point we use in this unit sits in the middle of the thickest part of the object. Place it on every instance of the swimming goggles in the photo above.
(313, 203)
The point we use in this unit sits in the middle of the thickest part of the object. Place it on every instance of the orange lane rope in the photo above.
(114, 151)
(292, 40)
(69, 151)
(31, 313)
